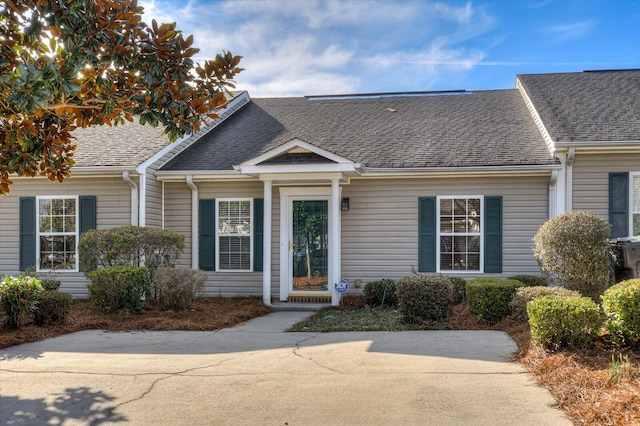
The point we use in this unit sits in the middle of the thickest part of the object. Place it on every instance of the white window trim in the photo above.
(76, 233)
(631, 211)
(250, 235)
(439, 234)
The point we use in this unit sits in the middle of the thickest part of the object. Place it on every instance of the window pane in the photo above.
(473, 262)
(636, 224)
(446, 207)
(446, 262)
(70, 207)
(474, 207)
(460, 224)
(45, 207)
(70, 224)
(57, 224)
(460, 244)
(446, 224)
(45, 223)
(460, 206)
(473, 244)
(459, 262)
(446, 244)
(57, 207)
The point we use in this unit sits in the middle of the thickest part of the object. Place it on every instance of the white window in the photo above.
(460, 227)
(635, 204)
(234, 234)
(57, 236)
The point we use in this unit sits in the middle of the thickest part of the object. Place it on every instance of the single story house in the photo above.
(285, 197)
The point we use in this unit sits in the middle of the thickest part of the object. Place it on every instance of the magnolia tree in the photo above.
(66, 64)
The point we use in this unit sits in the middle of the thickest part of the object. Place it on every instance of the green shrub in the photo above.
(489, 298)
(119, 287)
(560, 321)
(531, 280)
(130, 246)
(424, 298)
(518, 305)
(459, 291)
(380, 293)
(621, 307)
(52, 306)
(50, 284)
(178, 288)
(573, 249)
(19, 298)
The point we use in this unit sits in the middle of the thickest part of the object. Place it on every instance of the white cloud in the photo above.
(293, 48)
(568, 32)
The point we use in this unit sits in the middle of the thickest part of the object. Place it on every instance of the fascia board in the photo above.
(294, 143)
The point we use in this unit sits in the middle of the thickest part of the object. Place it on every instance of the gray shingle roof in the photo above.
(126, 145)
(587, 106)
(487, 128)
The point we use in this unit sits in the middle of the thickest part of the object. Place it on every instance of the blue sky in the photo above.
(305, 47)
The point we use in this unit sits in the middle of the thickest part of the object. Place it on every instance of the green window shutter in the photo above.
(27, 232)
(258, 233)
(493, 234)
(619, 204)
(427, 220)
(207, 249)
(87, 212)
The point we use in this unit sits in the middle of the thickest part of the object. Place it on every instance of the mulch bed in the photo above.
(206, 314)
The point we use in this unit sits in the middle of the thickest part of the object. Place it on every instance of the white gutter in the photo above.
(194, 222)
(598, 144)
(134, 197)
(474, 170)
(571, 156)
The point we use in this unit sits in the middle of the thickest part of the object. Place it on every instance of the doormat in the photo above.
(309, 298)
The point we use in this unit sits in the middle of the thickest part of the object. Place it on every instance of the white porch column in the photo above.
(335, 242)
(266, 249)
(195, 243)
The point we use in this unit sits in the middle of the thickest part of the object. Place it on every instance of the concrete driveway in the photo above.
(255, 374)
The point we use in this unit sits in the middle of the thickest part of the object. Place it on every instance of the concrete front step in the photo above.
(297, 307)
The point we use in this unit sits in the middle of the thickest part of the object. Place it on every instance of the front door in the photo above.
(305, 241)
(309, 245)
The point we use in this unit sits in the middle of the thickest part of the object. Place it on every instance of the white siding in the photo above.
(113, 208)
(591, 179)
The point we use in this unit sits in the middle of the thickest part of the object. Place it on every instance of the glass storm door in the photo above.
(310, 242)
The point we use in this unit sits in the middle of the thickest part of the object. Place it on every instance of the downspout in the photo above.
(134, 197)
(553, 189)
(571, 155)
(194, 222)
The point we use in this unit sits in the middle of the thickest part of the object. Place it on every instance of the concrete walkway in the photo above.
(255, 374)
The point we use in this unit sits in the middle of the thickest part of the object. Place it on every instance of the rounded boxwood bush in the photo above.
(489, 298)
(424, 298)
(380, 293)
(560, 321)
(119, 287)
(52, 306)
(524, 295)
(573, 248)
(621, 307)
(531, 280)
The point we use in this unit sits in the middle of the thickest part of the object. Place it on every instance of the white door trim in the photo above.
(287, 195)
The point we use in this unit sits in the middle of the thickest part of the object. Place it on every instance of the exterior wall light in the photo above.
(345, 204)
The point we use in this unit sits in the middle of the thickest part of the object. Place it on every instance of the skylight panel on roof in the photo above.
(388, 95)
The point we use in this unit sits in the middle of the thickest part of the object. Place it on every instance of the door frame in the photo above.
(287, 196)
